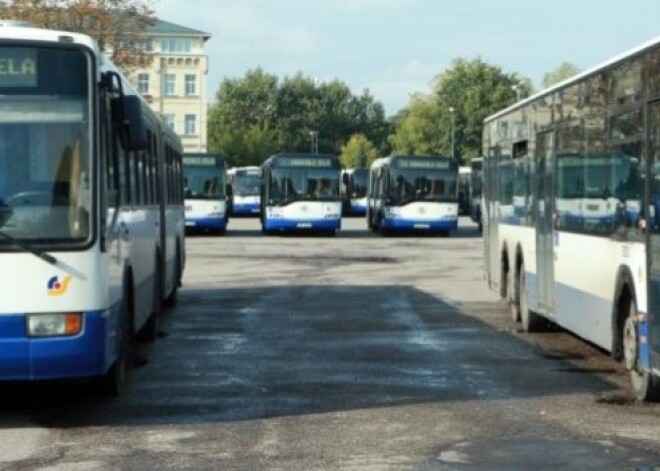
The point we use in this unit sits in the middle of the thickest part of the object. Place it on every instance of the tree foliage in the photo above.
(473, 89)
(281, 114)
(117, 25)
(358, 152)
(564, 71)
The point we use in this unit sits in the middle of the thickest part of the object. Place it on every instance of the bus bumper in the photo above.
(294, 225)
(86, 354)
(211, 224)
(245, 209)
(396, 224)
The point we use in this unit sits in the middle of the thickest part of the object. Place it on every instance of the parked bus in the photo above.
(245, 183)
(464, 190)
(301, 191)
(570, 210)
(91, 211)
(354, 191)
(476, 185)
(205, 185)
(414, 192)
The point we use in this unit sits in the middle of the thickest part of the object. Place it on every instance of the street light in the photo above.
(452, 110)
(516, 88)
(314, 141)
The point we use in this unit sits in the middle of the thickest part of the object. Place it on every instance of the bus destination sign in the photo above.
(426, 163)
(18, 67)
(306, 162)
(200, 161)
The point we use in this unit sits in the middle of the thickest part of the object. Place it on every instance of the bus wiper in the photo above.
(288, 199)
(46, 257)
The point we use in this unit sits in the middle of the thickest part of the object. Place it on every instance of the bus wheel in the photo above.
(645, 385)
(531, 322)
(171, 299)
(112, 382)
(516, 296)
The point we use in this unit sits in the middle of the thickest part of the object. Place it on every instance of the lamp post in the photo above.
(314, 141)
(516, 88)
(452, 110)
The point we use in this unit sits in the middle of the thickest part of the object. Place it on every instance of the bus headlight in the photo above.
(54, 324)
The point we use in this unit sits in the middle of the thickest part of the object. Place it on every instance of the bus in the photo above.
(245, 183)
(413, 192)
(91, 211)
(354, 191)
(570, 210)
(301, 192)
(476, 184)
(464, 190)
(205, 192)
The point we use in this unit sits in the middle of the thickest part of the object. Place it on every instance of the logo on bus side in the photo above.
(57, 287)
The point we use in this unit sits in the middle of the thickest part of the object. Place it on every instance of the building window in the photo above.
(191, 125)
(170, 82)
(175, 45)
(145, 45)
(143, 84)
(191, 85)
(169, 120)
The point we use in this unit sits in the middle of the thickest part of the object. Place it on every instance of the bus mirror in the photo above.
(228, 189)
(345, 179)
(127, 114)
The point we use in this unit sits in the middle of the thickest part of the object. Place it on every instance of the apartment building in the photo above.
(176, 82)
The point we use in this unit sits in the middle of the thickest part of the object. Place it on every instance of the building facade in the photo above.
(175, 84)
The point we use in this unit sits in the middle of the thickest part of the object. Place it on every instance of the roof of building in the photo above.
(172, 29)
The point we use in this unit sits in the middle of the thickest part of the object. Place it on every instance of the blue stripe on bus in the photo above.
(206, 223)
(406, 224)
(294, 224)
(246, 208)
(86, 354)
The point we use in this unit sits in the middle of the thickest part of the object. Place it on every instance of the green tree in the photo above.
(117, 25)
(564, 71)
(474, 90)
(416, 129)
(281, 114)
(358, 152)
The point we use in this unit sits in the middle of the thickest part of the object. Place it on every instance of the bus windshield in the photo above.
(310, 184)
(45, 195)
(247, 183)
(408, 185)
(359, 179)
(204, 179)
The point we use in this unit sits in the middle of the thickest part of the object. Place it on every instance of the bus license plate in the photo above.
(304, 225)
(191, 223)
(421, 226)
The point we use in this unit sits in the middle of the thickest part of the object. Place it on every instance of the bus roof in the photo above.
(576, 78)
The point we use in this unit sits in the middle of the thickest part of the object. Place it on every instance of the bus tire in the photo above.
(514, 303)
(149, 332)
(645, 384)
(170, 300)
(112, 382)
(531, 322)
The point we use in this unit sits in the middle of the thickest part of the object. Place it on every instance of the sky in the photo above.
(395, 48)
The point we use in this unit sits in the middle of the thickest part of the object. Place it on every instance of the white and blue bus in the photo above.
(301, 192)
(205, 192)
(245, 183)
(570, 210)
(413, 192)
(354, 191)
(91, 211)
